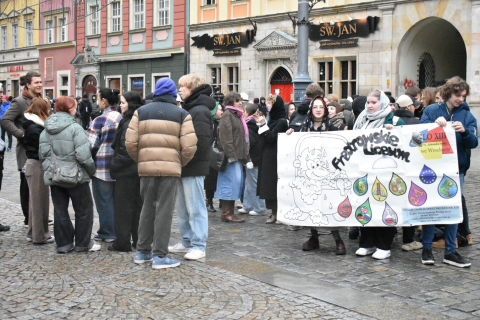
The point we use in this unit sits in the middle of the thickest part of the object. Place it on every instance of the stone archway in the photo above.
(431, 42)
(281, 83)
(89, 85)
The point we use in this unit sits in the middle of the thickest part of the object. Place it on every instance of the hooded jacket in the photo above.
(33, 126)
(4, 108)
(69, 142)
(85, 107)
(466, 140)
(406, 116)
(199, 105)
(300, 115)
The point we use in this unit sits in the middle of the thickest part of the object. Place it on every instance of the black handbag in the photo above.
(218, 160)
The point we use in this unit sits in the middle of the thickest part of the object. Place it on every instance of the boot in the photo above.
(224, 213)
(210, 207)
(340, 247)
(230, 216)
(272, 218)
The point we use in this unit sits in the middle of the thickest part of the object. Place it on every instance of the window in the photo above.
(216, 80)
(4, 38)
(348, 81)
(64, 80)
(116, 17)
(14, 36)
(29, 33)
(63, 30)
(136, 84)
(49, 27)
(138, 14)
(94, 20)
(325, 79)
(64, 93)
(233, 79)
(163, 8)
(208, 2)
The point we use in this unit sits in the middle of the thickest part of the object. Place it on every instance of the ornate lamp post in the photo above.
(302, 79)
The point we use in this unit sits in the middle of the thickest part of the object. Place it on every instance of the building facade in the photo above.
(130, 44)
(354, 46)
(19, 24)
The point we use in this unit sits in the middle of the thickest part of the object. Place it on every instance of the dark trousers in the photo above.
(127, 203)
(380, 237)
(24, 196)
(464, 227)
(408, 233)
(85, 120)
(63, 228)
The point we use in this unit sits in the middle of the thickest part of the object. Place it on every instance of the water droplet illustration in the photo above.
(325, 197)
(330, 206)
(447, 188)
(397, 186)
(345, 208)
(427, 175)
(364, 213)
(417, 196)
(390, 218)
(379, 192)
(360, 187)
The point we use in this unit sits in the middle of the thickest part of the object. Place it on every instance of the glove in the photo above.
(249, 165)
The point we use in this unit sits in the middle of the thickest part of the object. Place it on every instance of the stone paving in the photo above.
(252, 270)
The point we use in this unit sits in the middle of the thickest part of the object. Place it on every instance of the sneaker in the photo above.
(427, 257)
(255, 213)
(65, 249)
(271, 219)
(142, 258)
(29, 239)
(163, 263)
(239, 206)
(311, 244)
(50, 240)
(415, 245)
(244, 211)
(50, 222)
(178, 248)
(469, 238)
(455, 259)
(381, 254)
(95, 247)
(9, 149)
(194, 254)
(364, 251)
(294, 228)
(99, 238)
(4, 228)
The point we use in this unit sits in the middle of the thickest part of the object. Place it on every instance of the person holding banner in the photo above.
(318, 120)
(377, 114)
(452, 108)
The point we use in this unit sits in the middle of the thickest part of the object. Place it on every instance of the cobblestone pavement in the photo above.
(252, 270)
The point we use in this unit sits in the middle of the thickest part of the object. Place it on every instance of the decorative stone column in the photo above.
(389, 75)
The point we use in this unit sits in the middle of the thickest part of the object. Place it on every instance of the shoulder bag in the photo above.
(62, 173)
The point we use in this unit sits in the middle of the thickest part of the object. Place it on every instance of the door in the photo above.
(284, 90)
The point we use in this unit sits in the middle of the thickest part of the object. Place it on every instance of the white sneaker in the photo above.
(194, 254)
(381, 254)
(364, 251)
(242, 211)
(178, 248)
(95, 247)
(50, 240)
(415, 245)
(29, 239)
(255, 213)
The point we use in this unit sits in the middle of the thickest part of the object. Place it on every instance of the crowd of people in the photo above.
(183, 149)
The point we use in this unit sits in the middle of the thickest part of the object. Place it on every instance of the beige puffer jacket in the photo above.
(161, 138)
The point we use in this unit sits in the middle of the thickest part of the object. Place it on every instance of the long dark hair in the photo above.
(134, 101)
(326, 117)
(111, 95)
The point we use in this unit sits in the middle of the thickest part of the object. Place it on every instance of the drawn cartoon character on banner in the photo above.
(316, 182)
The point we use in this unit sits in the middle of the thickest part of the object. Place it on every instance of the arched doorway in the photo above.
(89, 86)
(281, 83)
(431, 52)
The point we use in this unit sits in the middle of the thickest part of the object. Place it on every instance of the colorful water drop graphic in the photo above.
(364, 213)
(417, 196)
(345, 208)
(379, 192)
(397, 186)
(360, 187)
(390, 218)
(427, 175)
(447, 188)
(330, 206)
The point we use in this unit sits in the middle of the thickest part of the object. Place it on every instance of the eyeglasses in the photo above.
(318, 108)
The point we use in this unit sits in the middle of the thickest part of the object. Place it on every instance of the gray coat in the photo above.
(69, 142)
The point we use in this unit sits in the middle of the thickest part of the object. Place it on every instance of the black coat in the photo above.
(199, 104)
(210, 182)
(31, 139)
(300, 115)
(256, 145)
(122, 165)
(406, 116)
(267, 172)
(85, 107)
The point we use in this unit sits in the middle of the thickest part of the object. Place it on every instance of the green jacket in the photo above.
(69, 142)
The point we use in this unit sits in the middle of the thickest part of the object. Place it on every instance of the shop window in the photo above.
(4, 38)
(233, 79)
(114, 83)
(136, 84)
(138, 14)
(94, 20)
(216, 79)
(29, 33)
(116, 16)
(15, 90)
(325, 77)
(348, 81)
(163, 12)
(14, 36)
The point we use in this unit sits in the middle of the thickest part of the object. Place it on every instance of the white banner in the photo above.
(400, 177)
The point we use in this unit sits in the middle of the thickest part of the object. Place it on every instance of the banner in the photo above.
(344, 29)
(377, 177)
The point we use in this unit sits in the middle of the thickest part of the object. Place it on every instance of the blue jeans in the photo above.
(9, 135)
(103, 195)
(192, 212)
(250, 199)
(450, 233)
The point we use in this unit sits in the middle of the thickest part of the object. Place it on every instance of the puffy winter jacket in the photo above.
(161, 138)
(465, 141)
(33, 126)
(69, 142)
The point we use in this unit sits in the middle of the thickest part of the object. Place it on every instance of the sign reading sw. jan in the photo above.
(344, 29)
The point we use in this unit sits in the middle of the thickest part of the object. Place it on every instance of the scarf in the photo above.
(367, 120)
(245, 128)
(214, 109)
(337, 120)
(27, 94)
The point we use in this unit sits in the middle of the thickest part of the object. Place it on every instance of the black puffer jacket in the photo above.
(256, 144)
(199, 104)
(122, 165)
(406, 116)
(85, 107)
(300, 115)
(31, 139)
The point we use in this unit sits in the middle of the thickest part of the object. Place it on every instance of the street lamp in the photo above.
(302, 78)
